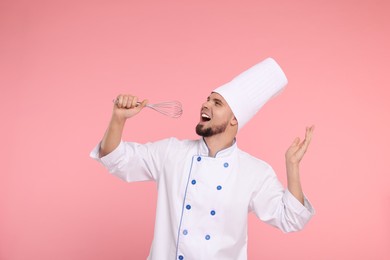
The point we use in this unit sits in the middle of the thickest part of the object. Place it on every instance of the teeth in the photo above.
(205, 116)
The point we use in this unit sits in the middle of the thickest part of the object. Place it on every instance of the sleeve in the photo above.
(278, 207)
(133, 161)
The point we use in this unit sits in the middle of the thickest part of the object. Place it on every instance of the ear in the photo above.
(233, 121)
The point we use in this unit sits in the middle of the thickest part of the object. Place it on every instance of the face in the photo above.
(215, 116)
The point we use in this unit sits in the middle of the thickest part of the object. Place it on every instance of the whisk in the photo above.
(168, 108)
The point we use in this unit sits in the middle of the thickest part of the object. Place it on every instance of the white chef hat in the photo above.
(250, 90)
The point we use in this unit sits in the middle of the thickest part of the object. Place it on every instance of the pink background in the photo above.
(62, 62)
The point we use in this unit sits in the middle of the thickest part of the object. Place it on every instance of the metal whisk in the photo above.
(169, 108)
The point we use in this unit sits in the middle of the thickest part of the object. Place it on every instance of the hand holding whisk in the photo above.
(168, 108)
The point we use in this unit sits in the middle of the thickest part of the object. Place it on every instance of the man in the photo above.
(206, 187)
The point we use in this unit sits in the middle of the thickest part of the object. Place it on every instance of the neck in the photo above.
(217, 143)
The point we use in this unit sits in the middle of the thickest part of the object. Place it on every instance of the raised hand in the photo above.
(294, 155)
(126, 106)
(297, 150)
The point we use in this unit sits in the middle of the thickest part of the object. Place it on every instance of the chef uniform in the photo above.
(203, 202)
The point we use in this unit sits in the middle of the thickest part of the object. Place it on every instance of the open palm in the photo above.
(297, 150)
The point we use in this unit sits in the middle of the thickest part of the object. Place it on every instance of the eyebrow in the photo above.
(215, 100)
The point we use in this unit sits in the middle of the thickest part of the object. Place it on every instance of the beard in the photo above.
(210, 131)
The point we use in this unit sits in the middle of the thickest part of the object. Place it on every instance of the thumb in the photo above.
(296, 141)
(140, 106)
(144, 103)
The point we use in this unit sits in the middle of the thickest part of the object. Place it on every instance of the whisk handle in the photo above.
(115, 101)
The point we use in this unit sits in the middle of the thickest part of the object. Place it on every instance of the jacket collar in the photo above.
(204, 150)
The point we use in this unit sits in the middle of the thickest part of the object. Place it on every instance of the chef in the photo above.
(206, 187)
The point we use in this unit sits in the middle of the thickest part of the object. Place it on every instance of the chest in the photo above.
(209, 183)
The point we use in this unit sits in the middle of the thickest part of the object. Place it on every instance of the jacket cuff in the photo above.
(295, 205)
(109, 159)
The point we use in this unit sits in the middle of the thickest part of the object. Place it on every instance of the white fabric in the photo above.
(231, 184)
(250, 90)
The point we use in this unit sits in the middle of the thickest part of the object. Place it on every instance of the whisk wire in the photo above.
(169, 108)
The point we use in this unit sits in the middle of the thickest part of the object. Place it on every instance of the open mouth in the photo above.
(205, 117)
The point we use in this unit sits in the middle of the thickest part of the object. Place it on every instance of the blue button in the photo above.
(185, 232)
(199, 158)
(207, 237)
(219, 187)
(188, 207)
(181, 257)
(212, 212)
(193, 182)
(225, 165)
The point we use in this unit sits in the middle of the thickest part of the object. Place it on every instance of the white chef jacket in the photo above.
(203, 202)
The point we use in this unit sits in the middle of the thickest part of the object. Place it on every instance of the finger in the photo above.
(125, 100)
(310, 129)
(308, 137)
(120, 100)
(134, 102)
(309, 133)
(129, 101)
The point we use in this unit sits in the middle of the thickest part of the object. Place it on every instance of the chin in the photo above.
(203, 131)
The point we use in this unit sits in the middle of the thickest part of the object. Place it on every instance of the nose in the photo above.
(205, 104)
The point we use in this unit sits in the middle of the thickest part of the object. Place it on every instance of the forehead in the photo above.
(215, 95)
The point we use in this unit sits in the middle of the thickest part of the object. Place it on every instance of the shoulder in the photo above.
(252, 163)
(174, 143)
(260, 173)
